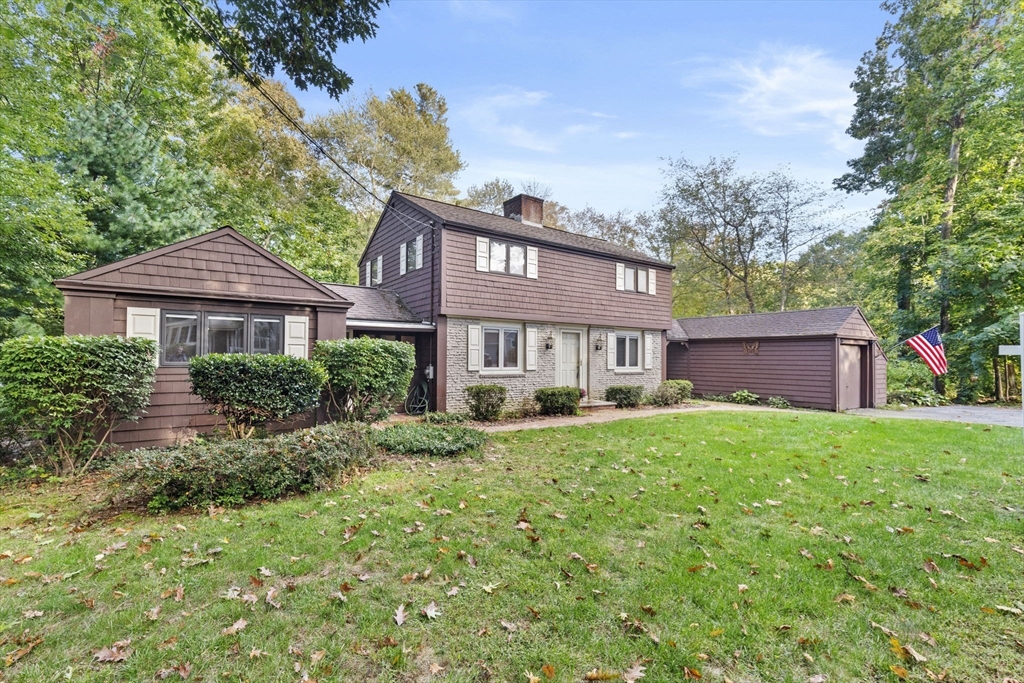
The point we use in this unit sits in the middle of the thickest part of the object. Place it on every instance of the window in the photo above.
(630, 281)
(410, 255)
(507, 258)
(501, 348)
(627, 351)
(374, 268)
(641, 280)
(633, 279)
(221, 333)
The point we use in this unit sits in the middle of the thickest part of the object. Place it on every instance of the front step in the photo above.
(592, 404)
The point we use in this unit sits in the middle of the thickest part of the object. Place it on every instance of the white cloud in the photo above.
(626, 135)
(782, 90)
(488, 114)
(580, 128)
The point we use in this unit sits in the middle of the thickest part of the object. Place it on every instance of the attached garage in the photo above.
(825, 358)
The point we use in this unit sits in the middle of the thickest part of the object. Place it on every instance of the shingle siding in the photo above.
(393, 230)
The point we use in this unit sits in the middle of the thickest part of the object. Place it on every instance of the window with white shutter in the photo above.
(652, 280)
(610, 345)
(402, 255)
(366, 280)
(531, 348)
(620, 276)
(648, 350)
(296, 335)
(483, 254)
(380, 270)
(531, 262)
(473, 339)
(144, 323)
(419, 252)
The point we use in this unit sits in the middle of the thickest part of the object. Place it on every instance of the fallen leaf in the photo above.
(817, 678)
(930, 566)
(489, 588)
(600, 675)
(530, 678)
(453, 591)
(886, 631)
(431, 611)
(118, 652)
(256, 653)
(235, 628)
(1001, 608)
(691, 674)
(900, 672)
(636, 672)
(742, 588)
(400, 616)
(509, 626)
(915, 655)
(32, 613)
(927, 638)
(153, 614)
(845, 598)
(435, 668)
(548, 671)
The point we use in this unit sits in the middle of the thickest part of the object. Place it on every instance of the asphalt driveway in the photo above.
(986, 415)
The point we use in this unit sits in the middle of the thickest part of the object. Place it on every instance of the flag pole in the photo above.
(890, 348)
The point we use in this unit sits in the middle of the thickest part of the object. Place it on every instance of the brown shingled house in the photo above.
(825, 358)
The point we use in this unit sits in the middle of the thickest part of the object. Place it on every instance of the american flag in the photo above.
(928, 345)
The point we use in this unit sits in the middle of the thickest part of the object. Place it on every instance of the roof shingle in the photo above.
(370, 303)
(809, 323)
(463, 216)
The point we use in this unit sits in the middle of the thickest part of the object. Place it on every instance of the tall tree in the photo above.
(300, 36)
(399, 143)
(490, 196)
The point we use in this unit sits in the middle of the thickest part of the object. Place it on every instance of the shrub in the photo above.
(671, 392)
(779, 402)
(913, 396)
(436, 440)
(625, 396)
(528, 407)
(486, 401)
(558, 400)
(744, 397)
(366, 377)
(248, 390)
(445, 418)
(232, 472)
(71, 392)
(720, 398)
(908, 374)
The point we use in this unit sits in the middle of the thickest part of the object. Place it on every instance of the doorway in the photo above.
(570, 366)
(851, 370)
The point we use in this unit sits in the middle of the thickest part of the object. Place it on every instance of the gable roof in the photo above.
(371, 303)
(220, 263)
(461, 216)
(814, 322)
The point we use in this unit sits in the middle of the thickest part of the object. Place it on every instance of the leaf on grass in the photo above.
(270, 598)
(530, 678)
(926, 637)
(1001, 608)
(886, 631)
(742, 588)
(235, 628)
(489, 588)
(636, 672)
(452, 592)
(845, 598)
(930, 566)
(32, 613)
(548, 671)
(915, 655)
(26, 643)
(600, 675)
(898, 649)
(509, 626)
(817, 678)
(867, 584)
(400, 616)
(691, 674)
(900, 672)
(806, 553)
(183, 669)
(153, 614)
(265, 572)
(431, 611)
(118, 652)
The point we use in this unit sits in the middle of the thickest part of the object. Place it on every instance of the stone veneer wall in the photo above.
(601, 377)
(524, 384)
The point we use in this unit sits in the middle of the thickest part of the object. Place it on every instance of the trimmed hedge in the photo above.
(69, 393)
(671, 392)
(366, 377)
(558, 400)
(486, 401)
(423, 439)
(233, 472)
(625, 395)
(249, 389)
(445, 418)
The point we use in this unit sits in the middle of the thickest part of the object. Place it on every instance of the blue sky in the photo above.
(589, 97)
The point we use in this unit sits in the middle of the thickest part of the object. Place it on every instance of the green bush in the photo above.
(486, 401)
(625, 396)
(558, 400)
(744, 397)
(719, 398)
(232, 472)
(912, 396)
(69, 393)
(908, 374)
(422, 439)
(366, 377)
(779, 402)
(445, 418)
(671, 392)
(248, 389)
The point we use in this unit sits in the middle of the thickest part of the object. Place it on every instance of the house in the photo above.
(505, 300)
(826, 358)
(218, 292)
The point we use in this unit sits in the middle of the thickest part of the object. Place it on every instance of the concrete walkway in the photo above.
(985, 415)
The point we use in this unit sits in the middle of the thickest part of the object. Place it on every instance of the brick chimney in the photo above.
(525, 209)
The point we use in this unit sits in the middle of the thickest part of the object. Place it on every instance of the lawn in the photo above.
(754, 546)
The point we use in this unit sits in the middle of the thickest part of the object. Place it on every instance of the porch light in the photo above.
(598, 346)
(550, 344)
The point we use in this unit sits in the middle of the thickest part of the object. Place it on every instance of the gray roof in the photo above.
(676, 332)
(463, 216)
(814, 322)
(371, 303)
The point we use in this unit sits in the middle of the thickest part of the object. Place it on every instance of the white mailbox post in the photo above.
(1018, 351)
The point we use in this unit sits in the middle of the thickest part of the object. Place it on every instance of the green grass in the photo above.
(672, 511)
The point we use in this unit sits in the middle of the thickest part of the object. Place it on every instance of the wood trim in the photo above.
(441, 367)
(120, 289)
(541, 317)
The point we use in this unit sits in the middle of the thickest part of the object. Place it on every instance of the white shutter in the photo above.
(473, 338)
(144, 323)
(611, 350)
(620, 277)
(648, 350)
(380, 269)
(483, 249)
(652, 287)
(296, 335)
(419, 252)
(401, 258)
(366, 281)
(531, 262)
(531, 348)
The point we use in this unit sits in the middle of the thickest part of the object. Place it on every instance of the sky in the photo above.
(592, 98)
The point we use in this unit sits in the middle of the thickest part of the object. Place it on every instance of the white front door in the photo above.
(569, 360)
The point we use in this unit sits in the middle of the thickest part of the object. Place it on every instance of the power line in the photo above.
(256, 83)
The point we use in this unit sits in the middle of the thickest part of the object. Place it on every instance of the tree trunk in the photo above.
(946, 232)
(997, 373)
(783, 285)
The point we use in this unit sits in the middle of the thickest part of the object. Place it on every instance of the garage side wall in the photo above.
(881, 367)
(800, 370)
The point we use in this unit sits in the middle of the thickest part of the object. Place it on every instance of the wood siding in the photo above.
(223, 264)
(801, 370)
(856, 327)
(570, 288)
(392, 231)
(880, 368)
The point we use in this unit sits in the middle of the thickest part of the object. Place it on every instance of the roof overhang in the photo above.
(397, 325)
(117, 288)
